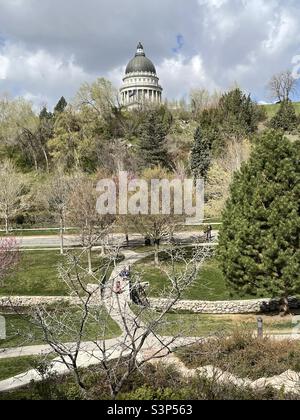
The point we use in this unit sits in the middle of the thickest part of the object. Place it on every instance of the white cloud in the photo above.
(48, 48)
(39, 76)
(4, 67)
(179, 76)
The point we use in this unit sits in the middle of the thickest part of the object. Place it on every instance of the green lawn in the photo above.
(37, 275)
(210, 284)
(203, 325)
(21, 331)
(272, 109)
(17, 365)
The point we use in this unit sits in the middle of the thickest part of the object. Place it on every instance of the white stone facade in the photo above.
(140, 88)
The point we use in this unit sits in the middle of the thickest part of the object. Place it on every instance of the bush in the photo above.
(245, 355)
(286, 118)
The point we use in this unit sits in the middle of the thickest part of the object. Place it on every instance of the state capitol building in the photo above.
(141, 83)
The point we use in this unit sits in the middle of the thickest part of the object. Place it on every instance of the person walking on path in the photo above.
(209, 233)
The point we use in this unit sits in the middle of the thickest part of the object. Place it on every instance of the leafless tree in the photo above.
(155, 228)
(56, 193)
(140, 341)
(93, 226)
(13, 192)
(201, 99)
(282, 86)
(9, 256)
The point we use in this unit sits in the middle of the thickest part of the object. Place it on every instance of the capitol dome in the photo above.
(140, 63)
(140, 84)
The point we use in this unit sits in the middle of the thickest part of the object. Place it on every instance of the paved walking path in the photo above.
(118, 306)
(119, 309)
(46, 242)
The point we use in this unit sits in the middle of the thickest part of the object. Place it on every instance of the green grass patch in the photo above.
(17, 365)
(204, 325)
(21, 331)
(272, 109)
(209, 285)
(37, 274)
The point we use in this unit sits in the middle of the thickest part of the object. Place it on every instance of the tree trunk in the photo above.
(89, 255)
(156, 253)
(36, 166)
(61, 235)
(80, 384)
(46, 159)
(6, 225)
(284, 306)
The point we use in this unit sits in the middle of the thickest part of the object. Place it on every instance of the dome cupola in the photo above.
(140, 63)
(140, 83)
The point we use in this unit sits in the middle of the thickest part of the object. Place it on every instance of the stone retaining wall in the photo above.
(225, 307)
(194, 306)
(31, 301)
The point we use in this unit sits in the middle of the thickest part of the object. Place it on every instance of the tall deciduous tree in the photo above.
(13, 192)
(83, 213)
(9, 256)
(259, 241)
(160, 224)
(57, 194)
(282, 86)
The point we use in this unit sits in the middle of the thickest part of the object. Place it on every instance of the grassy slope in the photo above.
(37, 275)
(246, 356)
(272, 109)
(210, 284)
(15, 366)
(19, 328)
(203, 325)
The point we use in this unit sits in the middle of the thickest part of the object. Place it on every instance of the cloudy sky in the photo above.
(48, 48)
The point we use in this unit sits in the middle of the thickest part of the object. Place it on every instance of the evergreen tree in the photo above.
(239, 111)
(285, 119)
(60, 106)
(259, 241)
(201, 154)
(45, 115)
(153, 150)
(235, 118)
